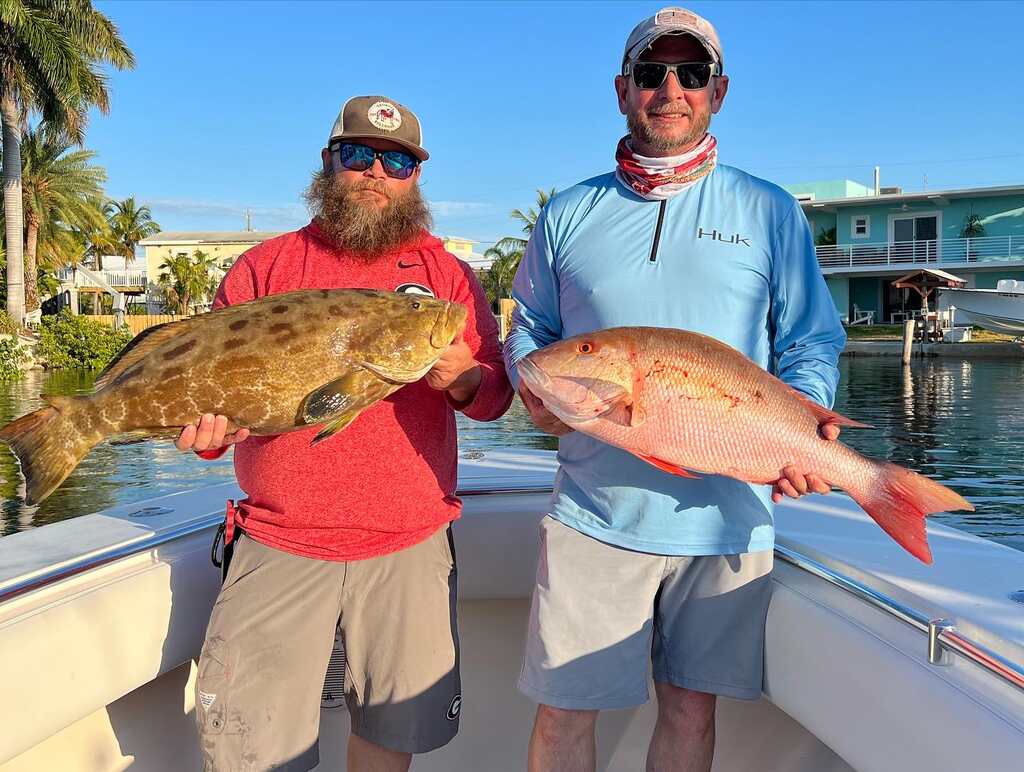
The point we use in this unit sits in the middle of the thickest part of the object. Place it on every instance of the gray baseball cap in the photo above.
(379, 117)
(673, 21)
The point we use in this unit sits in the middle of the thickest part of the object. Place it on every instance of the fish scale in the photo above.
(690, 405)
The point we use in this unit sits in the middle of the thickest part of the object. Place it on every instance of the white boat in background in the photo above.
(1000, 309)
(873, 661)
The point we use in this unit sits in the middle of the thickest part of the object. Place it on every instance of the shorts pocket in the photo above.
(213, 687)
(449, 547)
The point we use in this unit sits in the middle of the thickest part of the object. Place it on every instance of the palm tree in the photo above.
(130, 224)
(497, 280)
(50, 57)
(508, 251)
(529, 220)
(95, 243)
(187, 280)
(61, 190)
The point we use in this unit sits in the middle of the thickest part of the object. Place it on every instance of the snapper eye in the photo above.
(586, 347)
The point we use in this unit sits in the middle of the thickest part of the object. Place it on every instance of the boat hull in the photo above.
(991, 309)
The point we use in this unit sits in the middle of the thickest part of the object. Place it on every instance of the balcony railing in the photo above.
(131, 277)
(935, 252)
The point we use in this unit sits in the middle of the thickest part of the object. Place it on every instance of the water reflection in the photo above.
(108, 475)
(957, 421)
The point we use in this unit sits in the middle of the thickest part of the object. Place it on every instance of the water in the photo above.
(961, 422)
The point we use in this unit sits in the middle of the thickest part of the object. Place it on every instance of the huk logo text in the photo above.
(716, 236)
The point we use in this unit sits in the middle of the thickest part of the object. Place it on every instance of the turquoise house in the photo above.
(866, 239)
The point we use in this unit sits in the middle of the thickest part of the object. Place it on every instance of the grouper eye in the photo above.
(416, 304)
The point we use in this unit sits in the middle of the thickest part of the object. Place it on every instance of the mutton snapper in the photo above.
(688, 403)
(273, 365)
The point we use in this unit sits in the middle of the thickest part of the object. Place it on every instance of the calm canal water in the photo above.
(961, 422)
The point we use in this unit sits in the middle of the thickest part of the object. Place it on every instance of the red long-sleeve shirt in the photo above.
(388, 480)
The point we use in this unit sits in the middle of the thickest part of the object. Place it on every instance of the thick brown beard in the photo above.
(641, 129)
(368, 232)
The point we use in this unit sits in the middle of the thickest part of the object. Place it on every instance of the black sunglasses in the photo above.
(357, 157)
(691, 75)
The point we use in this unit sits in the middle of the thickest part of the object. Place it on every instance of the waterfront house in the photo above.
(91, 291)
(865, 239)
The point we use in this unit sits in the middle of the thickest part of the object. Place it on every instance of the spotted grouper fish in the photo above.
(273, 365)
(688, 404)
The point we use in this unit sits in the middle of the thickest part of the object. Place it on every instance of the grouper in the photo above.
(273, 365)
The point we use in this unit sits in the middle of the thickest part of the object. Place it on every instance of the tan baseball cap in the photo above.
(379, 117)
(673, 21)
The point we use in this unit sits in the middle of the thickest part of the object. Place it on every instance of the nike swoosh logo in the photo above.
(408, 265)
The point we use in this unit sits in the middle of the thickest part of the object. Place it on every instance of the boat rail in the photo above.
(942, 635)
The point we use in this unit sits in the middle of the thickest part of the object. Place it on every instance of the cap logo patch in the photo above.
(674, 16)
(385, 116)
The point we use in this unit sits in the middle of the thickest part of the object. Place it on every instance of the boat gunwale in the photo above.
(940, 633)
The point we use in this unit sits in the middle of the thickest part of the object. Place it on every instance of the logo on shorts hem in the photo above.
(206, 700)
(455, 708)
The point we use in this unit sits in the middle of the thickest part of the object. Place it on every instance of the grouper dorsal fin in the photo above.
(152, 338)
(338, 403)
(137, 349)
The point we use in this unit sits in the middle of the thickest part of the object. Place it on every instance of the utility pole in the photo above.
(248, 220)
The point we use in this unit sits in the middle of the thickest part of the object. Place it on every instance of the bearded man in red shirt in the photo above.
(355, 528)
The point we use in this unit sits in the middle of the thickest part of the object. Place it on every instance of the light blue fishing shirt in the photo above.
(731, 257)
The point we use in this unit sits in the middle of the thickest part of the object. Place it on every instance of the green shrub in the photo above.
(7, 325)
(11, 357)
(76, 342)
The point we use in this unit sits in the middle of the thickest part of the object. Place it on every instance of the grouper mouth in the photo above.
(450, 322)
(448, 325)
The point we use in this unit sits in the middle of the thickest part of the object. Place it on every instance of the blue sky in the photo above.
(231, 101)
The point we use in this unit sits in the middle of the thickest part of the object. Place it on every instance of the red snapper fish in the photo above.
(688, 403)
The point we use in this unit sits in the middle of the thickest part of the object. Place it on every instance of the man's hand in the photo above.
(542, 418)
(794, 483)
(456, 372)
(209, 433)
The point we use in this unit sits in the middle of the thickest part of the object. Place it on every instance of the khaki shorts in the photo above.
(270, 639)
(602, 614)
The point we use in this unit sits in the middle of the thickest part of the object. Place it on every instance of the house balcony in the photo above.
(123, 280)
(934, 253)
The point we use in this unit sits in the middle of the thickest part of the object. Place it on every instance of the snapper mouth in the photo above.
(571, 398)
(535, 377)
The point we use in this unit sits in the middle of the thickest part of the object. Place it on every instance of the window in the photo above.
(914, 237)
(861, 227)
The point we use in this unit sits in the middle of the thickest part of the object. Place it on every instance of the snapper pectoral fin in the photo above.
(626, 412)
(666, 466)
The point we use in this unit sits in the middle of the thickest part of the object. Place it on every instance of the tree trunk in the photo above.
(31, 244)
(13, 218)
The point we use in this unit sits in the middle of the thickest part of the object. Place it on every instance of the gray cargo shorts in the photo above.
(270, 638)
(602, 614)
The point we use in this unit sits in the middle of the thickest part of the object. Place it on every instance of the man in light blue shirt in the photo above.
(637, 564)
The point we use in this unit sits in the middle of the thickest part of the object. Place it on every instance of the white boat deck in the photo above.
(96, 662)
